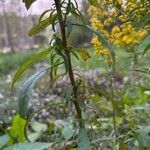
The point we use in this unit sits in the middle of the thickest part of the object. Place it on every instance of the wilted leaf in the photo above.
(30, 146)
(17, 130)
(25, 92)
(84, 54)
(83, 141)
(34, 58)
(28, 3)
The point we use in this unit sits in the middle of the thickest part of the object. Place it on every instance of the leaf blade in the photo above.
(25, 92)
(83, 141)
(26, 65)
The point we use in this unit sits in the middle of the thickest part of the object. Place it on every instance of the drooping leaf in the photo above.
(84, 54)
(25, 92)
(34, 58)
(28, 3)
(17, 130)
(42, 25)
(83, 141)
(30, 146)
(102, 39)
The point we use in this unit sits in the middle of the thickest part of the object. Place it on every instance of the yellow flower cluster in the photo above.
(99, 49)
(110, 22)
(125, 35)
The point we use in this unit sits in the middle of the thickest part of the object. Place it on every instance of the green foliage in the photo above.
(144, 46)
(25, 92)
(3, 140)
(7, 66)
(112, 101)
(83, 141)
(28, 3)
(29, 146)
(34, 58)
(93, 2)
(42, 25)
(17, 130)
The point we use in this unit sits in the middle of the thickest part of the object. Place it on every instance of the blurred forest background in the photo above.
(15, 23)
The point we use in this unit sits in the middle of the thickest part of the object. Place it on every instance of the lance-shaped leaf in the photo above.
(83, 141)
(28, 3)
(30, 146)
(42, 25)
(25, 92)
(144, 46)
(34, 58)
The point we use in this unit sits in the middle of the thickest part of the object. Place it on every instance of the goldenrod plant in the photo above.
(114, 24)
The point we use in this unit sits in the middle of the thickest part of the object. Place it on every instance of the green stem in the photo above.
(67, 52)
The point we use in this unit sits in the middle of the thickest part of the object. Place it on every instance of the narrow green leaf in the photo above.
(83, 141)
(43, 14)
(30, 146)
(34, 58)
(28, 3)
(25, 92)
(17, 130)
(144, 45)
(94, 2)
(42, 25)
(102, 39)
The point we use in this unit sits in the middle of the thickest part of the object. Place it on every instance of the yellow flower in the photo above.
(115, 30)
(106, 52)
(122, 34)
(127, 40)
(119, 1)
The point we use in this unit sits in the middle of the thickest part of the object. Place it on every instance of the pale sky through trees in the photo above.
(18, 6)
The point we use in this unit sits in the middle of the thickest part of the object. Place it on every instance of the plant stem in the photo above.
(67, 52)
